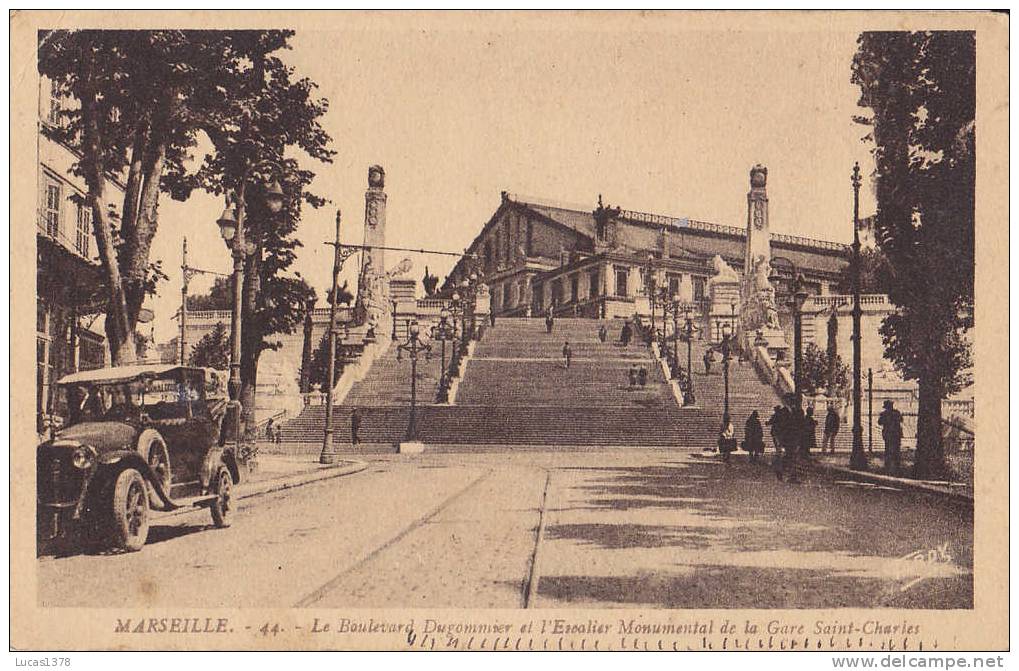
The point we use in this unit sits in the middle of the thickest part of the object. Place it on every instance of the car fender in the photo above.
(217, 457)
(117, 460)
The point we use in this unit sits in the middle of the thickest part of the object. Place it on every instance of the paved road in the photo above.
(634, 528)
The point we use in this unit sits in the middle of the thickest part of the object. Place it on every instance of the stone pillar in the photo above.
(758, 311)
(758, 233)
(373, 289)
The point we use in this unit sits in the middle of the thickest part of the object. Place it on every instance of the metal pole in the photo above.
(184, 303)
(870, 409)
(413, 388)
(234, 383)
(858, 460)
(393, 302)
(328, 455)
(797, 350)
(689, 342)
(675, 337)
(725, 369)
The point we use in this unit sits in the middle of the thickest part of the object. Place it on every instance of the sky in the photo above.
(662, 121)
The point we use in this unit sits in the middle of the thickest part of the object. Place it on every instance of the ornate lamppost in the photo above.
(797, 297)
(442, 332)
(232, 227)
(858, 458)
(726, 352)
(649, 288)
(413, 347)
(341, 254)
(393, 303)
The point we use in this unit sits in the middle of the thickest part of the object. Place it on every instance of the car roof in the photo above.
(123, 373)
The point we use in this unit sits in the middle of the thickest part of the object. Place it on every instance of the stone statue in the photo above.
(723, 272)
(759, 297)
(401, 268)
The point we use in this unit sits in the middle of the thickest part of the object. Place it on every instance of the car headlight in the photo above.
(84, 457)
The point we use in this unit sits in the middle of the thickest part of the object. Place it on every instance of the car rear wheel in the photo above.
(222, 507)
(130, 511)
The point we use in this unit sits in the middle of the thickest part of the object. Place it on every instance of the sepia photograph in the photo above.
(579, 330)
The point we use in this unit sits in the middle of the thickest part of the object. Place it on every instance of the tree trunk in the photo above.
(136, 261)
(930, 453)
(118, 326)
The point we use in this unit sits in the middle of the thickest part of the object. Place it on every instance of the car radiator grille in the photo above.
(57, 479)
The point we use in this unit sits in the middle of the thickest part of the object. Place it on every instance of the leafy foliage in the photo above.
(218, 297)
(319, 367)
(875, 274)
(213, 349)
(920, 89)
(817, 369)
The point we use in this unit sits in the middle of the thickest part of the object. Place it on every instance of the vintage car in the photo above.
(136, 438)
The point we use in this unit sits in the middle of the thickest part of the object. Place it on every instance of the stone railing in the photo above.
(815, 303)
(809, 242)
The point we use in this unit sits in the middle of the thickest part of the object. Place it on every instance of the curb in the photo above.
(347, 467)
(881, 479)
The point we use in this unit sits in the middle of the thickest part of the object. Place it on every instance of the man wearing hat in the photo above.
(890, 421)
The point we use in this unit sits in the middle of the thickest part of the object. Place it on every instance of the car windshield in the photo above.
(160, 399)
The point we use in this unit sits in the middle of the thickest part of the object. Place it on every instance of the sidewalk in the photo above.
(277, 472)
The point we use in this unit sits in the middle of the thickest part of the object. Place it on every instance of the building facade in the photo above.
(69, 279)
(535, 255)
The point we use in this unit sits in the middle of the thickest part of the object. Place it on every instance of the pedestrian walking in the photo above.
(268, 430)
(567, 353)
(626, 334)
(726, 438)
(753, 436)
(778, 423)
(707, 362)
(491, 318)
(808, 440)
(603, 333)
(794, 440)
(549, 321)
(279, 434)
(355, 426)
(831, 430)
(633, 375)
(890, 421)
(642, 376)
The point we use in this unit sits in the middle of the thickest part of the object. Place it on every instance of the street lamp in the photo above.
(341, 254)
(232, 229)
(858, 458)
(442, 332)
(797, 297)
(689, 343)
(649, 288)
(393, 303)
(726, 351)
(413, 346)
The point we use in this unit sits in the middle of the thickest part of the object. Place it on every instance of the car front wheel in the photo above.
(130, 511)
(222, 507)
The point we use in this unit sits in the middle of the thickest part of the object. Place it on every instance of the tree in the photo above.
(139, 95)
(319, 368)
(218, 297)
(260, 111)
(817, 370)
(920, 88)
(875, 274)
(212, 350)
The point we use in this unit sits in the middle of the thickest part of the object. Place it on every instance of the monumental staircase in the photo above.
(517, 391)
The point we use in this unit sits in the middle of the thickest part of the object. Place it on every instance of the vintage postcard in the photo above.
(509, 331)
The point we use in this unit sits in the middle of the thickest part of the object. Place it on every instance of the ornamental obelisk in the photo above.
(372, 288)
(758, 312)
(758, 234)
